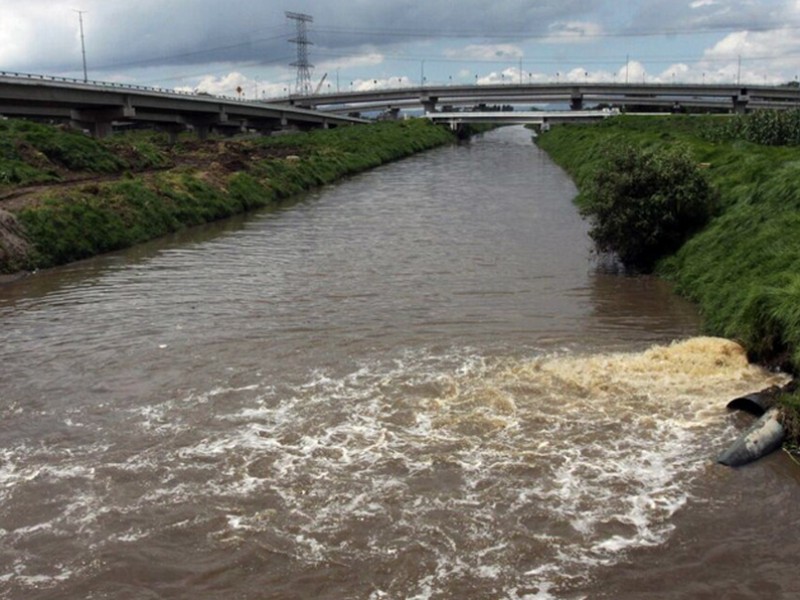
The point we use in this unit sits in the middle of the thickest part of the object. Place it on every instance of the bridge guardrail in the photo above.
(115, 85)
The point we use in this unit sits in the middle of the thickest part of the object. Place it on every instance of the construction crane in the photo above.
(319, 85)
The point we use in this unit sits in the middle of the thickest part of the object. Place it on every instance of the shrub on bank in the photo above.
(643, 204)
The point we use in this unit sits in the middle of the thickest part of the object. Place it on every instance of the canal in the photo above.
(417, 383)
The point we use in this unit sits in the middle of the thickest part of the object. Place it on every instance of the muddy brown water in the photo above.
(413, 384)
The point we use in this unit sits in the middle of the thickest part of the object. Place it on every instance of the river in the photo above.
(416, 383)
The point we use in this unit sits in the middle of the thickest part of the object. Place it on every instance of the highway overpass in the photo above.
(99, 106)
(724, 97)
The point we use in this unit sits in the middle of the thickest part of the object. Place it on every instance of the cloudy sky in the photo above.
(218, 46)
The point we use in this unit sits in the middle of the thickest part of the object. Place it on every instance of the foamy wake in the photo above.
(431, 476)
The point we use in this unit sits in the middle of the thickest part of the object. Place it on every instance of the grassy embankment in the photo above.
(64, 196)
(743, 268)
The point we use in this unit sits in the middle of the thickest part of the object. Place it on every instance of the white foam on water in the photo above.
(19, 574)
(525, 475)
(131, 536)
(542, 593)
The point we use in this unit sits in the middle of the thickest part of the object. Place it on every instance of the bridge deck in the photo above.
(519, 117)
(728, 96)
(97, 106)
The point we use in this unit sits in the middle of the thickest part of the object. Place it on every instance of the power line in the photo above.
(172, 57)
(213, 72)
(595, 59)
(462, 34)
(425, 33)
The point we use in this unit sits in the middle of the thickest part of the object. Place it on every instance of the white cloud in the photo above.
(368, 59)
(573, 31)
(731, 46)
(772, 53)
(378, 83)
(513, 75)
(701, 3)
(777, 44)
(578, 74)
(225, 85)
(633, 71)
(676, 73)
(22, 42)
(485, 52)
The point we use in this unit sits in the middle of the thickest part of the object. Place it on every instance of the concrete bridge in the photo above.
(723, 97)
(544, 118)
(99, 106)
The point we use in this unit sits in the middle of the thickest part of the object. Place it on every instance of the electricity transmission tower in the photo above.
(303, 85)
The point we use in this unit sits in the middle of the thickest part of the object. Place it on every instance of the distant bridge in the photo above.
(723, 97)
(454, 119)
(98, 106)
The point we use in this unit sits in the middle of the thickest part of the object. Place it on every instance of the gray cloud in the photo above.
(121, 35)
(711, 15)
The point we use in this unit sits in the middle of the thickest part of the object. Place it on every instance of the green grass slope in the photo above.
(207, 181)
(743, 269)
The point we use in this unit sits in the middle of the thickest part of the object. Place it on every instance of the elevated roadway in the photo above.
(98, 106)
(728, 97)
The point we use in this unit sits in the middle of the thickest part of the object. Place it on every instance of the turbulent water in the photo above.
(414, 384)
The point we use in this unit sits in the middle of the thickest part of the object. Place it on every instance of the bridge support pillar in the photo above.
(173, 130)
(203, 125)
(99, 121)
(576, 101)
(102, 129)
(97, 129)
(740, 103)
(429, 104)
(202, 130)
(390, 114)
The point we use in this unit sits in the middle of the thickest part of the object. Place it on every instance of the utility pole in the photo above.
(83, 44)
(627, 64)
(739, 71)
(303, 85)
